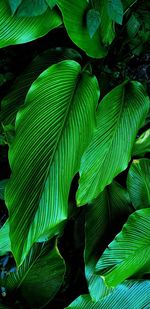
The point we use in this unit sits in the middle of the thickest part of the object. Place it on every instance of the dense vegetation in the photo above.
(74, 160)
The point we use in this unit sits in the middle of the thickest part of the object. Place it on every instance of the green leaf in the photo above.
(51, 3)
(132, 294)
(133, 26)
(14, 4)
(75, 23)
(40, 276)
(2, 188)
(138, 183)
(15, 30)
(108, 212)
(115, 11)
(32, 8)
(111, 147)
(5, 245)
(129, 253)
(142, 144)
(45, 155)
(16, 96)
(93, 21)
(107, 29)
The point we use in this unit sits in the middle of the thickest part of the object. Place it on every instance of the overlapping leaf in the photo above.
(142, 144)
(31, 8)
(104, 218)
(74, 16)
(120, 114)
(19, 30)
(138, 183)
(129, 253)
(45, 155)
(40, 276)
(16, 96)
(132, 294)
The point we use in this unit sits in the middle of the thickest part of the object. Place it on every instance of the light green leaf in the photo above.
(5, 245)
(111, 147)
(15, 30)
(93, 21)
(14, 4)
(16, 96)
(46, 153)
(2, 188)
(75, 24)
(132, 294)
(138, 183)
(115, 10)
(40, 276)
(108, 212)
(31, 8)
(51, 3)
(142, 144)
(129, 253)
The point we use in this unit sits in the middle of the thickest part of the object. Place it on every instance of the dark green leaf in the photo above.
(138, 183)
(14, 4)
(15, 30)
(131, 294)
(111, 147)
(59, 108)
(31, 8)
(40, 276)
(93, 21)
(108, 213)
(129, 253)
(51, 3)
(115, 10)
(2, 188)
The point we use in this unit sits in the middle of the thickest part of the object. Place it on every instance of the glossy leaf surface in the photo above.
(119, 116)
(46, 152)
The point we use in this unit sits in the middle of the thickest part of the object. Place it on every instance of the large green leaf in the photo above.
(132, 294)
(16, 96)
(17, 30)
(74, 16)
(40, 276)
(5, 245)
(142, 144)
(129, 253)
(108, 213)
(45, 155)
(138, 183)
(119, 116)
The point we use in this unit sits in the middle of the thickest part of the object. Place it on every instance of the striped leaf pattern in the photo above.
(17, 30)
(120, 114)
(45, 155)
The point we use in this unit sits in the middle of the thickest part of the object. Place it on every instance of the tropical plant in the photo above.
(75, 184)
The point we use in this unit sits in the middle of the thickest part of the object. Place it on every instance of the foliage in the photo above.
(74, 140)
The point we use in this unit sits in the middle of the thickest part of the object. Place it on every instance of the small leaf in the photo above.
(93, 21)
(29, 8)
(14, 4)
(142, 144)
(129, 253)
(51, 3)
(133, 26)
(115, 11)
(138, 183)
